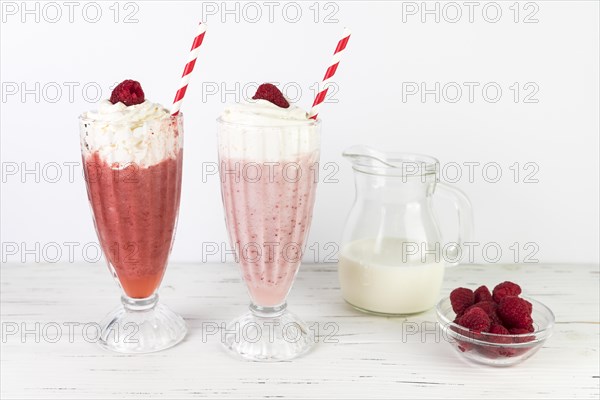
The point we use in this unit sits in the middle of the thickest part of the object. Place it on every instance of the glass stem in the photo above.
(145, 304)
(268, 312)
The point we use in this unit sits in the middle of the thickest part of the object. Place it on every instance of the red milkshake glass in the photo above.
(133, 177)
(268, 185)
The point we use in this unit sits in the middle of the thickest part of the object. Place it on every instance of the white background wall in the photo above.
(391, 48)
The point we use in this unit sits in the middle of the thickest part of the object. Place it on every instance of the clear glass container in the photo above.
(134, 197)
(491, 349)
(268, 185)
(392, 257)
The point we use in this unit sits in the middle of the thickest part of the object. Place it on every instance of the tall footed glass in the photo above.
(268, 185)
(133, 178)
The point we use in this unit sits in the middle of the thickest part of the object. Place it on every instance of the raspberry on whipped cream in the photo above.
(128, 92)
(290, 130)
(270, 92)
(117, 130)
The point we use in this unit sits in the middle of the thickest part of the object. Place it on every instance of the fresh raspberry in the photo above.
(522, 331)
(482, 293)
(464, 346)
(522, 339)
(128, 92)
(490, 309)
(488, 306)
(499, 330)
(529, 306)
(461, 299)
(269, 92)
(514, 312)
(519, 331)
(499, 351)
(517, 351)
(506, 289)
(475, 320)
(504, 337)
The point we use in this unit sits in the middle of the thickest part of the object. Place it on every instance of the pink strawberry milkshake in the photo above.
(268, 156)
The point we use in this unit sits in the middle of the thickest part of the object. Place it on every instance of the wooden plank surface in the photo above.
(368, 356)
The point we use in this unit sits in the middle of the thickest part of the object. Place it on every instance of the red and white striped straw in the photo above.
(335, 61)
(189, 67)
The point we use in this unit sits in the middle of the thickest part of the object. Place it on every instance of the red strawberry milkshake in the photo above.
(132, 153)
(268, 154)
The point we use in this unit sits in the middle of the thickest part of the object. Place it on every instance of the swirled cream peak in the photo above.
(119, 113)
(262, 131)
(142, 134)
(264, 113)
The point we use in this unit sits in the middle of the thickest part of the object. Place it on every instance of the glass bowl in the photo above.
(491, 349)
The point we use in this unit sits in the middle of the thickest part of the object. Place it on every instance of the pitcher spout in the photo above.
(369, 160)
(365, 155)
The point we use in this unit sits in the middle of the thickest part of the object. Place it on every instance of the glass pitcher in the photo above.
(392, 257)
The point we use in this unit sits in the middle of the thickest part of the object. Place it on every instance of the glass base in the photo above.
(141, 326)
(384, 314)
(268, 334)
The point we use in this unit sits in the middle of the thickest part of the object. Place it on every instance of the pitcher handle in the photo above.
(465, 220)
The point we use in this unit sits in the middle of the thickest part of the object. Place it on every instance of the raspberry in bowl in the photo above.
(499, 328)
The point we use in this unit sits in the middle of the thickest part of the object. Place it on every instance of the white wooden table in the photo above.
(368, 357)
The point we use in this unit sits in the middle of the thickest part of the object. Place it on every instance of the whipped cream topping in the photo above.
(120, 113)
(264, 113)
(261, 131)
(142, 134)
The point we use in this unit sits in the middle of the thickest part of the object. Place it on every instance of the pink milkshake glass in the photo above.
(134, 208)
(268, 184)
